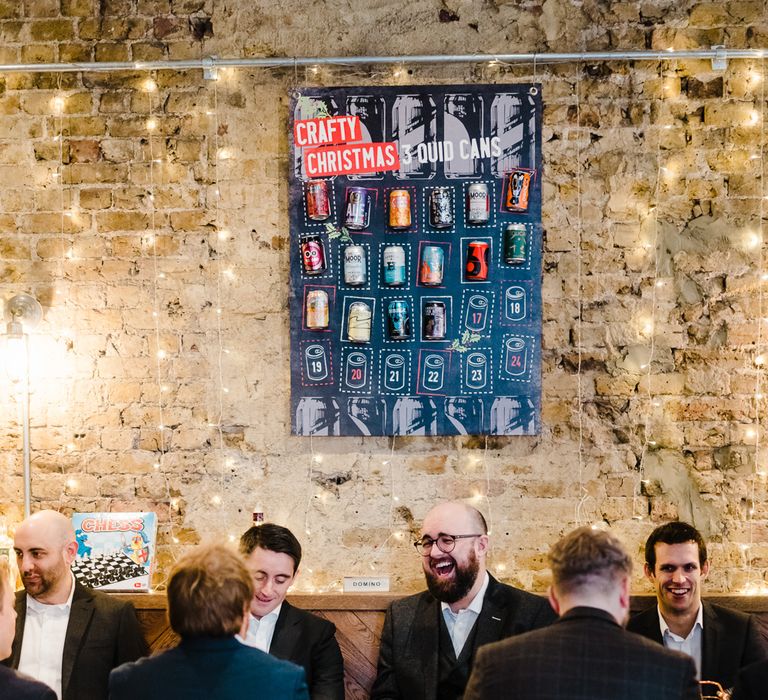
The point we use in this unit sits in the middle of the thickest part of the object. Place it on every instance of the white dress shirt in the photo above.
(460, 624)
(691, 644)
(42, 648)
(260, 632)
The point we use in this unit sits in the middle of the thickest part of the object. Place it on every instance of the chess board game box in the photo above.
(115, 551)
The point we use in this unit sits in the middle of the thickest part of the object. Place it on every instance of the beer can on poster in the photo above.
(434, 327)
(518, 188)
(399, 209)
(432, 265)
(359, 322)
(318, 202)
(317, 309)
(478, 203)
(440, 208)
(399, 320)
(394, 265)
(355, 266)
(514, 244)
(356, 210)
(312, 254)
(477, 261)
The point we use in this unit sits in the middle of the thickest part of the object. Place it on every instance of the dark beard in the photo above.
(453, 591)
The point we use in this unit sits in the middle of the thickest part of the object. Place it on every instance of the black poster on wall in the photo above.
(415, 216)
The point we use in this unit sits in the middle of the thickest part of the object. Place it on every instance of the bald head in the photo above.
(45, 548)
(460, 515)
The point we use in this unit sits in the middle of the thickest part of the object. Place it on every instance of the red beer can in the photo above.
(477, 261)
(318, 203)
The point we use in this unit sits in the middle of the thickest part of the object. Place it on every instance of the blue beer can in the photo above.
(399, 319)
(394, 265)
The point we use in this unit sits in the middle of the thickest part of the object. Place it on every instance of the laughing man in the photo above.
(720, 640)
(430, 639)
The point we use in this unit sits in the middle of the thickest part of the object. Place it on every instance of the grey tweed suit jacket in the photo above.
(585, 655)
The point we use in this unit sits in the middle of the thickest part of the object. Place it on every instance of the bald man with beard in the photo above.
(67, 636)
(429, 640)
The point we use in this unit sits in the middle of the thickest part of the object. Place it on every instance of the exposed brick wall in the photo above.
(117, 238)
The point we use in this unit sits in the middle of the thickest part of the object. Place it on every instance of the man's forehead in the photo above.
(682, 552)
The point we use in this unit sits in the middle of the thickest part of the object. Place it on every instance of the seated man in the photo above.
(14, 686)
(67, 636)
(586, 653)
(209, 595)
(752, 682)
(272, 555)
(429, 640)
(720, 640)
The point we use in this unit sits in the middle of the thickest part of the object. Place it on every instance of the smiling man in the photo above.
(720, 640)
(67, 636)
(272, 556)
(429, 640)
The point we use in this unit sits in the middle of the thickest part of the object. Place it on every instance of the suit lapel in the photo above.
(286, 634)
(492, 618)
(424, 643)
(21, 611)
(79, 619)
(710, 645)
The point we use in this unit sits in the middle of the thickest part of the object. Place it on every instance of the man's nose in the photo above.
(267, 587)
(678, 576)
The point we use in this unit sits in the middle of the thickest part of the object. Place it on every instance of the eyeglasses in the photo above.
(445, 543)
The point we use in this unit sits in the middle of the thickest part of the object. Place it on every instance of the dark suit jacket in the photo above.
(310, 642)
(14, 686)
(102, 633)
(408, 655)
(585, 654)
(207, 668)
(752, 682)
(731, 640)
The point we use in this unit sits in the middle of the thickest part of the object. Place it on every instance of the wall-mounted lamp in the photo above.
(22, 311)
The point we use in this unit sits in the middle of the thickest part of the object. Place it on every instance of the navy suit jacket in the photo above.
(410, 640)
(731, 640)
(585, 654)
(14, 686)
(208, 668)
(310, 642)
(102, 633)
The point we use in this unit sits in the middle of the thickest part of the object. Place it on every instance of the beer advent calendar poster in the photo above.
(415, 216)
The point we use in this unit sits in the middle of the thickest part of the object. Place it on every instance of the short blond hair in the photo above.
(588, 558)
(209, 592)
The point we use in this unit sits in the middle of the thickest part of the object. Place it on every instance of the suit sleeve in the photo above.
(754, 646)
(544, 616)
(131, 644)
(119, 688)
(385, 685)
(327, 667)
(474, 690)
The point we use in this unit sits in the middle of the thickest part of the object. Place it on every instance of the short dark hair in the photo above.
(675, 532)
(588, 558)
(209, 592)
(275, 538)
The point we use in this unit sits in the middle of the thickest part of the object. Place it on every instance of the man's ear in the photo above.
(70, 552)
(705, 569)
(553, 601)
(648, 573)
(483, 544)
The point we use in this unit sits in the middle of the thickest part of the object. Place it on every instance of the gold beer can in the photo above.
(399, 209)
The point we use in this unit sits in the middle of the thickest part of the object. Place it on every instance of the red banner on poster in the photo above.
(327, 131)
(352, 159)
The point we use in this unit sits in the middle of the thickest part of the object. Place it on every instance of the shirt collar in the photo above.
(477, 602)
(269, 616)
(664, 627)
(39, 607)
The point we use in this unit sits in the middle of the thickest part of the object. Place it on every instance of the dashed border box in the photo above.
(527, 285)
(407, 247)
(490, 295)
(488, 353)
(528, 239)
(349, 300)
(384, 353)
(426, 193)
(328, 274)
(492, 213)
(503, 375)
(446, 247)
(343, 286)
(447, 299)
(330, 290)
(326, 344)
(386, 340)
(415, 211)
(464, 242)
(367, 388)
(311, 223)
(443, 390)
